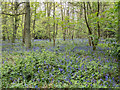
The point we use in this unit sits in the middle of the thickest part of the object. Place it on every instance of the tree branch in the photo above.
(12, 14)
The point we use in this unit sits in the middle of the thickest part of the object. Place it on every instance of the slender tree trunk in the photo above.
(27, 26)
(64, 32)
(98, 21)
(4, 28)
(56, 27)
(73, 24)
(62, 21)
(67, 32)
(33, 36)
(23, 33)
(54, 24)
(15, 22)
(89, 11)
(48, 15)
(89, 29)
(118, 38)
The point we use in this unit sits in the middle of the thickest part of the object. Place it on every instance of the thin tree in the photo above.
(62, 18)
(15, 18)
(89, 29)
(4, 21)
(54, 24)
(118, 35)
(27, 26)
(48, 15)
(98, 21)
(73, 21)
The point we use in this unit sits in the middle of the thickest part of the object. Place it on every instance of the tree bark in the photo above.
(62, 18)
(33, 36)
(73, 24)
(67, 32)
(89, 29)
(54, 24)
(4, 21)
(118, 38)
(15, 22)
(98, 21)
(48, 15)
(27, 26)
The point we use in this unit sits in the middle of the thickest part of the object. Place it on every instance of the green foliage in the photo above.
(69, 65)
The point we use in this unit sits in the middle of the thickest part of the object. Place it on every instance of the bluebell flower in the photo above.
(38, 71)
(91, 85)
(25, 84)
(38, 79)
(36, 86)
(60, 70)
(106, 78)
(101, 80)
(52, 79)
(3, 61)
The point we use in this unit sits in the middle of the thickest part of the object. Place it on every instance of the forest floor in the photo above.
(70, 64)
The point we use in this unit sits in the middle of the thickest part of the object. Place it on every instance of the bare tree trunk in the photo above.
(118, 38)
(27, 26)
(48, 15)
(56, 27)
(67, 32)
(23, 30)
(33, 36)
(54, 24)
(73, 21)
(98, 21)
(62, 20)
(89, 29)
(4, 28)
(64, 32)
(15, 22)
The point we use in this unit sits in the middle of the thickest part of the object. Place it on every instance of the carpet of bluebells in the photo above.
(70, 64)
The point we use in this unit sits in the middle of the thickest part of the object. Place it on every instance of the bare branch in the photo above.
(12, 14)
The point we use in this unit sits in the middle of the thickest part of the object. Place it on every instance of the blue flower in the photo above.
(25, 84)
(36, 86)
(44, 62)
(42, 78)
(106, 78)
(60, 70)
(3, 61)
(101, 80)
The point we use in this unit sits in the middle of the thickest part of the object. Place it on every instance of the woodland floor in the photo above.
(70, 64)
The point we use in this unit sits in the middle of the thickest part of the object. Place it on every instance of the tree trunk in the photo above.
(64, 32)
(54, 24)
(98, 21)
(62, 21)
(15, 22)
(67, 32)
(73, 21)
(27, 26)
(4, 21)
(89, 29)
(56, 27)
(33, 36)
(118, 38)
(48, 15)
